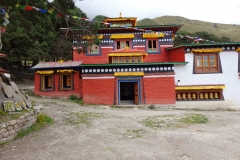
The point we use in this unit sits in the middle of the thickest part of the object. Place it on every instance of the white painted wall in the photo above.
(229, 77)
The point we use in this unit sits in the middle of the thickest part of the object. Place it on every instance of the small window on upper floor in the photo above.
(122, 44)
(152, 46)
(93, 49)
(207, 63)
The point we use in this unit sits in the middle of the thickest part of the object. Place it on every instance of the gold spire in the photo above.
(120, 16)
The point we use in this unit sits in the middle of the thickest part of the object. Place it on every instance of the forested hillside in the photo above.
(230, 31)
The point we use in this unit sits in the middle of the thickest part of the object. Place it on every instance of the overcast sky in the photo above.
(216, 11)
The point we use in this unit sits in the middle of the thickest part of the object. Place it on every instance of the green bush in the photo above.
(72, 97)
(41, 118)
(151, 107)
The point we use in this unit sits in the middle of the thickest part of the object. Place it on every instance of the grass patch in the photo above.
(78, 101)
(42, 121)
(135, 133)
(7, 116)
(174, 120)
(194, 118)
(2, 113)
(153, 122)
(82, 117)
(74, 99)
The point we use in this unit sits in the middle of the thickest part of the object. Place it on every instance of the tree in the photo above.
(29, 35)
(182, 38)
(100, 18)
(33, 36)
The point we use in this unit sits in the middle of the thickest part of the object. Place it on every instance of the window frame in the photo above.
(202, 63)
(88, 50)
(43, 82)
(61, 81)
(127, 59)
(123, 40)
(152, 49)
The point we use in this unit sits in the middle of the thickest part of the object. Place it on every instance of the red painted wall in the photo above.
(160, 90)
(97, 59)
(103, 59)
(177, 55)
(162, 57)
(98, 91)
(77, 84)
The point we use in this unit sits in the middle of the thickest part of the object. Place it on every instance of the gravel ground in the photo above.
(103, 132)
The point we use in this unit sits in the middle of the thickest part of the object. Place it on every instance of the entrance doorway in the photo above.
(128, 93)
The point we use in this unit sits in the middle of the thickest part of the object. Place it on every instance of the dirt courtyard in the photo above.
(104, 132)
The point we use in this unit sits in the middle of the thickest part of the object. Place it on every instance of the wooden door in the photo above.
(136, 93)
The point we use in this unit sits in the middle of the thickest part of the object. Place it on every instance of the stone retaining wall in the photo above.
(8, 130)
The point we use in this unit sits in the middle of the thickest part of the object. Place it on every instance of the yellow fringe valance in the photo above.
(45, 72)
(238, 49)
(120, 36)
(127, 54)
(92, 37)
(129, 74)
(207, 50)
(65, 71)
(198, 87)
(153, 35)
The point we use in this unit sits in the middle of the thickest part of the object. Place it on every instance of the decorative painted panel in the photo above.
(135, 68)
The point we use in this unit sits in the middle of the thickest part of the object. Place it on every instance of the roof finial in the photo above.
(120, 16)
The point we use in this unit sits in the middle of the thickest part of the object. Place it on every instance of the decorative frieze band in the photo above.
(113, 69)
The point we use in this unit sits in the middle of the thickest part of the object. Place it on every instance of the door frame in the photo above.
(139, 90)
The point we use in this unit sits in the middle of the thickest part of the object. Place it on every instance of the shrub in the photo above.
(151, 107)
(72, 97)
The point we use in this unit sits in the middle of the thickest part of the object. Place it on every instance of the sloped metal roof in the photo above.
(67, 64)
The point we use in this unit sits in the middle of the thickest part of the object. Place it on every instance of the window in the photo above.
(132, 59)
(122, 44)
(93, 49)
(66, 82)
(120, 59)
(126, 59)
(115, 59)
(152, 46)
(207, 63)
(137, 59)
(46, 82)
